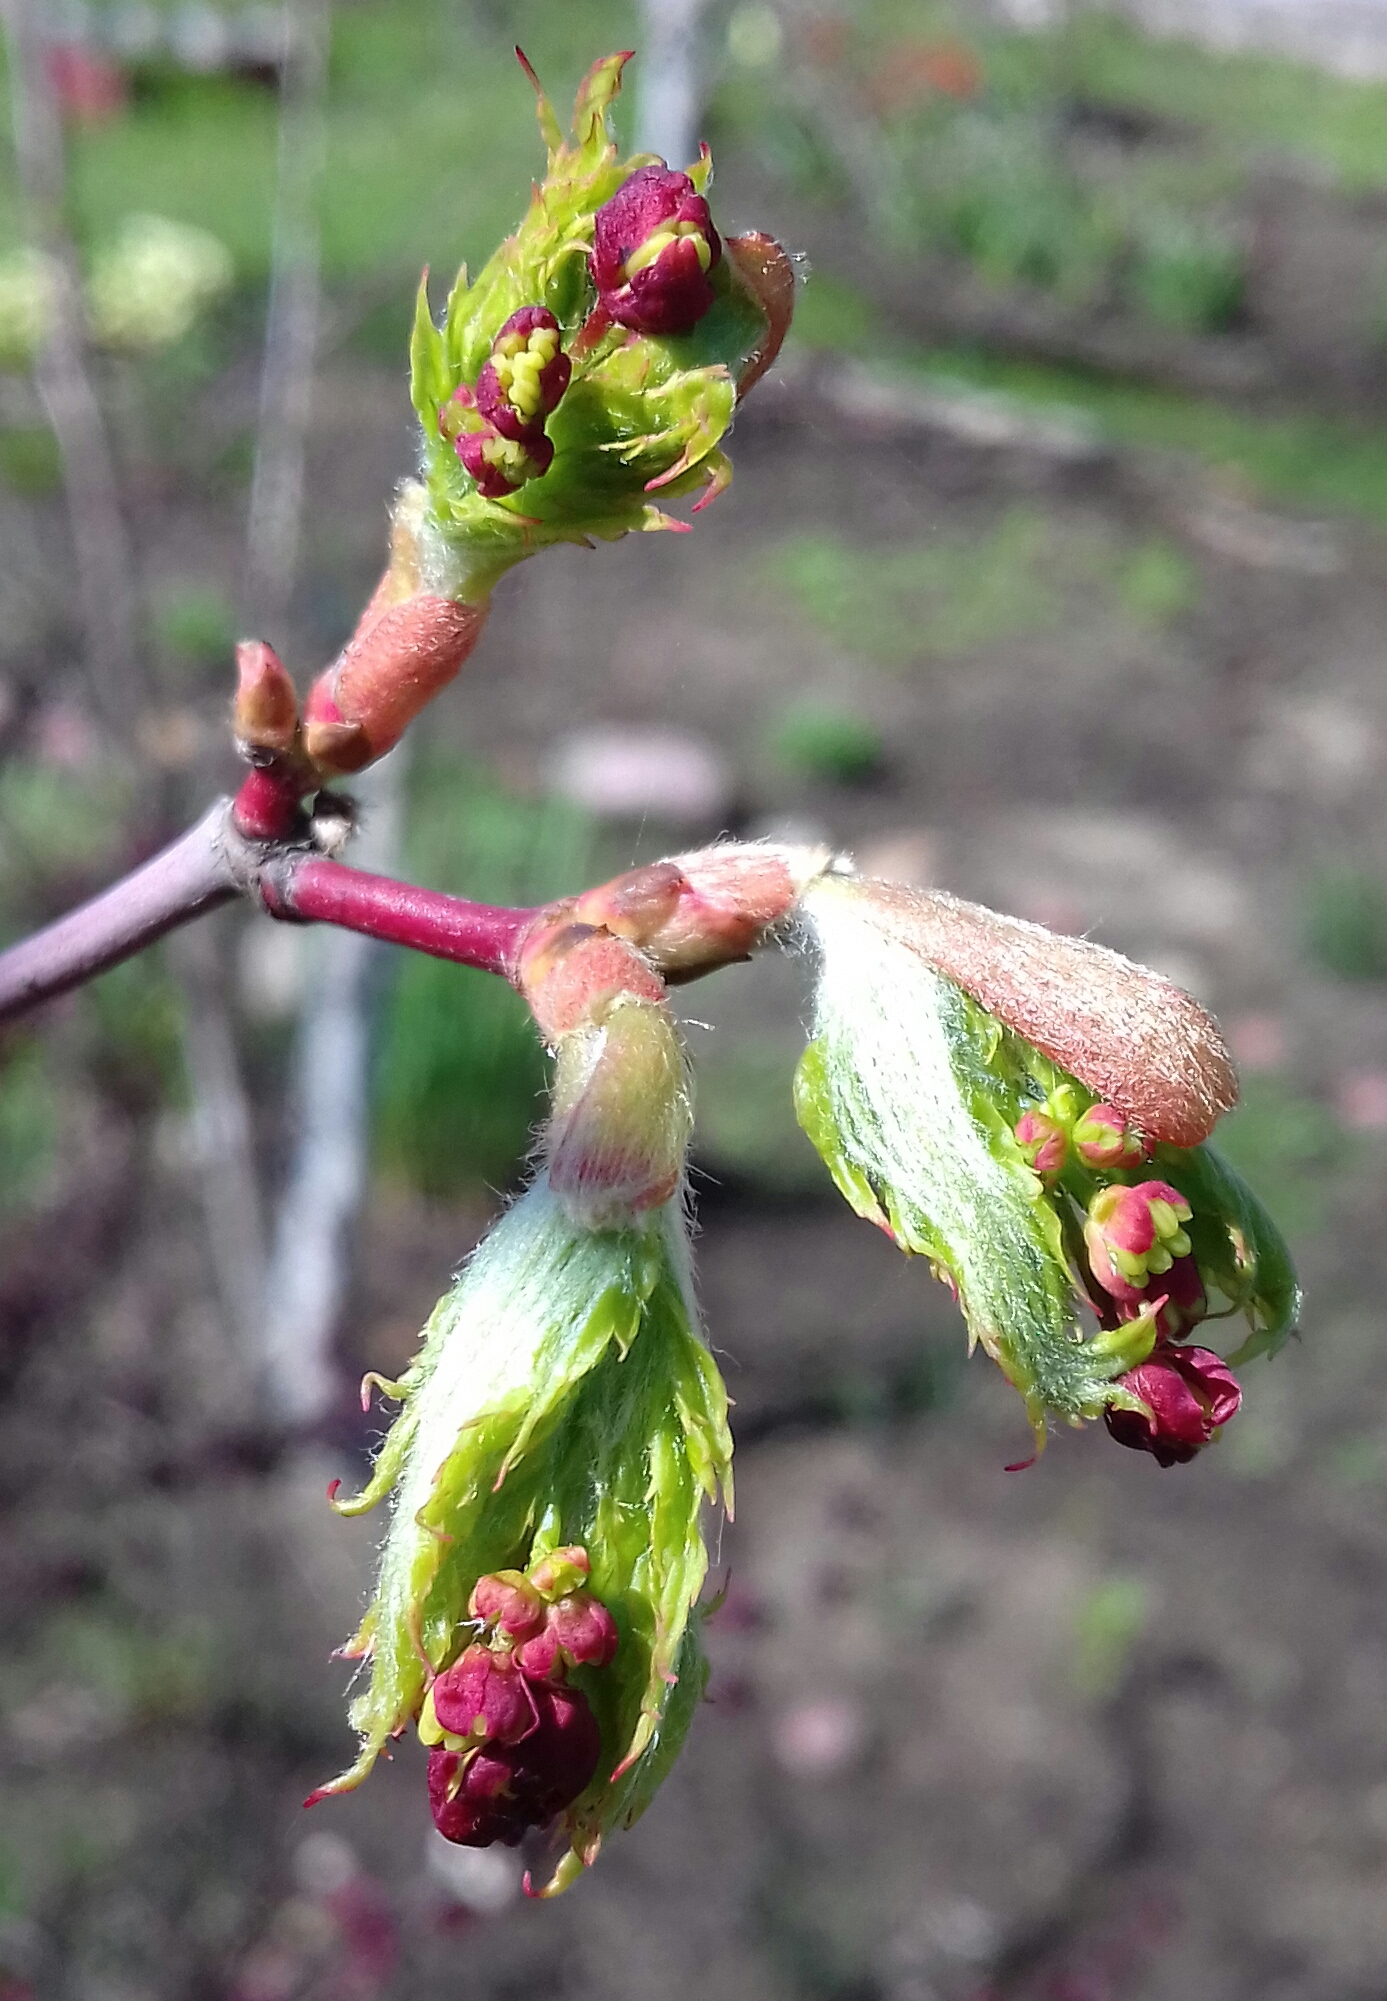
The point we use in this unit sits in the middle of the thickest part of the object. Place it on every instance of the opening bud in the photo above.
(526, 376)
(653, 246)
(1187, 1395)
(1131, 1233)
(484, 1696)
(502, 465)
(497, 1794)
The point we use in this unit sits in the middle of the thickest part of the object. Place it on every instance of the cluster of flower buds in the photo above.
(987, 1093)
(497, 426)
(1052, 1135)
(512, 1744)
(653, 246)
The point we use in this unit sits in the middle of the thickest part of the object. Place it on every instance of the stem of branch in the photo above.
(446, 927)
(192, 875)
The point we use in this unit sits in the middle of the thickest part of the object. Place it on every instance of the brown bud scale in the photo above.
(1142, 1043)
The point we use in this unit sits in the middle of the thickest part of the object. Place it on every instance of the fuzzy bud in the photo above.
(622, 1114)
(1189, 1394)
(653, 246)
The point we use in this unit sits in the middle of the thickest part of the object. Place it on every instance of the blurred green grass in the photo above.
(961, 593)
(460, 1072)
(431, 139)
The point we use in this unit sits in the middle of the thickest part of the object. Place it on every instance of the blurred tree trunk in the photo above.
(671, 80)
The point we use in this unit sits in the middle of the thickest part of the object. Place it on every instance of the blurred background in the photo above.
(1054, 573)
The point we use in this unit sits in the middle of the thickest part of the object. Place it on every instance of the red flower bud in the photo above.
(503, 465)
(579, 1631)
(1132, 1233)
(496, 1794)
(510, 1601)
(1103, 1139)
(1190, 1394)
(527, 374)
(653, 246)
(483, 1695)
(1043, 1141)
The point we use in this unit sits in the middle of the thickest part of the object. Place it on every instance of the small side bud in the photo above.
(563, 1570)
(653, 246)
(267, 708)
(1043, 1142)
(508, 1601)
(1103, 1139)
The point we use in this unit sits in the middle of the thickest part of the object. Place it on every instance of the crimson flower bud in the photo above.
(1102, 1138)
(527, 374)
(497, 1793)
(1132, 1233)
(508, 1600)
(503, 465)
(653, 246)
(579, 1631)
(484, 1695)
(1043, 1141)
(1189, 1393)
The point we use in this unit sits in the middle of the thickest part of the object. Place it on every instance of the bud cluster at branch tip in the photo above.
(987, 1094)
(653, 246)
(511, 1743)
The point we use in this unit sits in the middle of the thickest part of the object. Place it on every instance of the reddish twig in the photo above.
(314, 890)
(214, 862)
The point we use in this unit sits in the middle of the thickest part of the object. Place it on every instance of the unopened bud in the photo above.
(578, 1632)
(1043, 1141)
(509, 1601)
(1103, 1139)
(562, 1571)
(267, 708)
(653, 246)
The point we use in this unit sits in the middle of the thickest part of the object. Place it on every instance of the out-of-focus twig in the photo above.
(671, 79)
(291, 326)
(310, 1261)
(106, 585)
(223, 1138)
